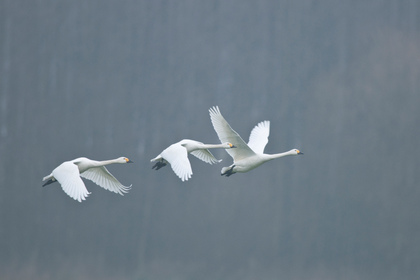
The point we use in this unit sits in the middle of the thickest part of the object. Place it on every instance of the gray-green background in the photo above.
(337, 79)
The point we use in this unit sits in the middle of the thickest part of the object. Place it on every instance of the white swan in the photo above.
(69, 172)
(246, 156)
(177, 156)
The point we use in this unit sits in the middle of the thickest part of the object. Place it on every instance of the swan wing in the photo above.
(227, 134)
(103, 178)
(177, 156)
(67, 174)
(259, 137)
(206, 156)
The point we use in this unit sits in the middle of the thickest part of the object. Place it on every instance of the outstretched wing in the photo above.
(67, 174)
(102, 177)
(206, 156)
(227, 134)
(259, 137)
(177, 156)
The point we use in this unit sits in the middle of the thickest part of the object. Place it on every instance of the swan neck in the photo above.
(105, 162)
(274, 156)
(213, 146)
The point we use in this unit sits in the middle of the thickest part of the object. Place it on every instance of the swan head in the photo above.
(296, 152)
(229, 145)
(124, 160)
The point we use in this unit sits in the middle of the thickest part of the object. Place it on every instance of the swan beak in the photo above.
(232, 146)
(128, 161)
(299, 152)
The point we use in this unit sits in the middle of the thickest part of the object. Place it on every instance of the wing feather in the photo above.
(103, 178)
(206, 156)
(67, 174)
(177, 156)
(259, 137)
(227, 134)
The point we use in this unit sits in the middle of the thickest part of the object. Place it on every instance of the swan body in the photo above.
(177, 156)
(246, 156)
(69, 174)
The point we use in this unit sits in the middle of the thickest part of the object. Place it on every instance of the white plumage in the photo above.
(177, 156)
(246, 156)
(69, 174)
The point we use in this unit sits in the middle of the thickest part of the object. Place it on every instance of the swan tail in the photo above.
(159, 157)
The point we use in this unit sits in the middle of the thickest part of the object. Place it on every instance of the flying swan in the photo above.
(69, 172)
(246, 156)
(177, 156)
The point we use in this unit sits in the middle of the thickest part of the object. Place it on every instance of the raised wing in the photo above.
(67, 174)
(177, 156)
(227, 134)
(206, 156)
(259, 137)
(103, 178)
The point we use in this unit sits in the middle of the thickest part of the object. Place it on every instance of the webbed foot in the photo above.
(158, 165)
(228, 172)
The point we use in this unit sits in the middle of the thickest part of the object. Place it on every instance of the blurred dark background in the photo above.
(338, 80)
